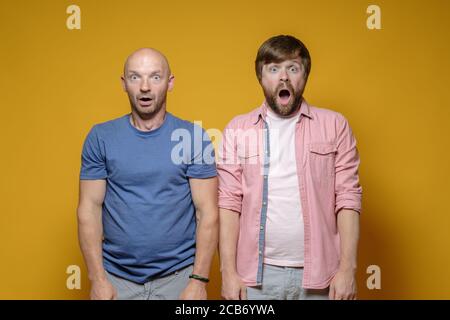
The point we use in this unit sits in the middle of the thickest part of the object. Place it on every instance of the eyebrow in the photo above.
(136, 72)
(278, 63)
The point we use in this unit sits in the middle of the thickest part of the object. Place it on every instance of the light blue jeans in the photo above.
(284, 283)
(164, 288)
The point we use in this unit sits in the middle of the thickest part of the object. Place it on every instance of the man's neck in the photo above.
(148, 124)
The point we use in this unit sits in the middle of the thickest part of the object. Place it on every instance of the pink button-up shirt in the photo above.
(327, 168)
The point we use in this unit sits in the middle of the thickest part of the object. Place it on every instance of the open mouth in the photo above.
(284, 95)
(145, 101)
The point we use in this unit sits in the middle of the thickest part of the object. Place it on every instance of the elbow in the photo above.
(209, 217)
(86, 214)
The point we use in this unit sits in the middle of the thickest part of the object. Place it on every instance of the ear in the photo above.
(171, 82)
(124, 86)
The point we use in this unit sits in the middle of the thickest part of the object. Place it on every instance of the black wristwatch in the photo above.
(197, 277)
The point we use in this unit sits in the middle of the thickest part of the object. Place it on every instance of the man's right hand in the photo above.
(103, 290)
(232, 287)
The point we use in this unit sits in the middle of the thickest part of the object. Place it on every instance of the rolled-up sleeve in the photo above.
(347, 187)
(229, 171)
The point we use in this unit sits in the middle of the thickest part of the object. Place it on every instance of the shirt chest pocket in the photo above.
(251, 166)
(248, 158)
(322, 156)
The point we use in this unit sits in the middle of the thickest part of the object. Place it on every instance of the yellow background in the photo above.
(391, 84)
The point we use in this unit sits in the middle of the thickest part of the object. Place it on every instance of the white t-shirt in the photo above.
(284, 238)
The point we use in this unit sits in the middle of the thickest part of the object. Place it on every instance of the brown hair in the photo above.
(280, 48)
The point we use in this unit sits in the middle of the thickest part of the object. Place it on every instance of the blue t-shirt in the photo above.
(148, 215)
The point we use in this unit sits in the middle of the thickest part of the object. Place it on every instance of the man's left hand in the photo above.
(195, 290)
(343, 286)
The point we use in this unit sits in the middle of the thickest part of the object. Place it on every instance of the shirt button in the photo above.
(264, 203)
(262, 227)
(265, 177)
(260, 252)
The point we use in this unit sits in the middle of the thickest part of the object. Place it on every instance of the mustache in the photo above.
(285, 86)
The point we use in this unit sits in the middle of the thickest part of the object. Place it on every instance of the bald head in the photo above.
(147, 57)
(147, 78)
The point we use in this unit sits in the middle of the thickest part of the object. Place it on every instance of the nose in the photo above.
(283, 76)
(145, 86)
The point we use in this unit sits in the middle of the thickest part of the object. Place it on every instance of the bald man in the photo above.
(148, 221)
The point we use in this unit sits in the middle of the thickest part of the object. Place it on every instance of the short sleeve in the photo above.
(202, 164)
(93, 164)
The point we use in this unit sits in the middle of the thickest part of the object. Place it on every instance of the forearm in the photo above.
(229, 234)
(348, 228)
(90, 233)
(206, 238)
